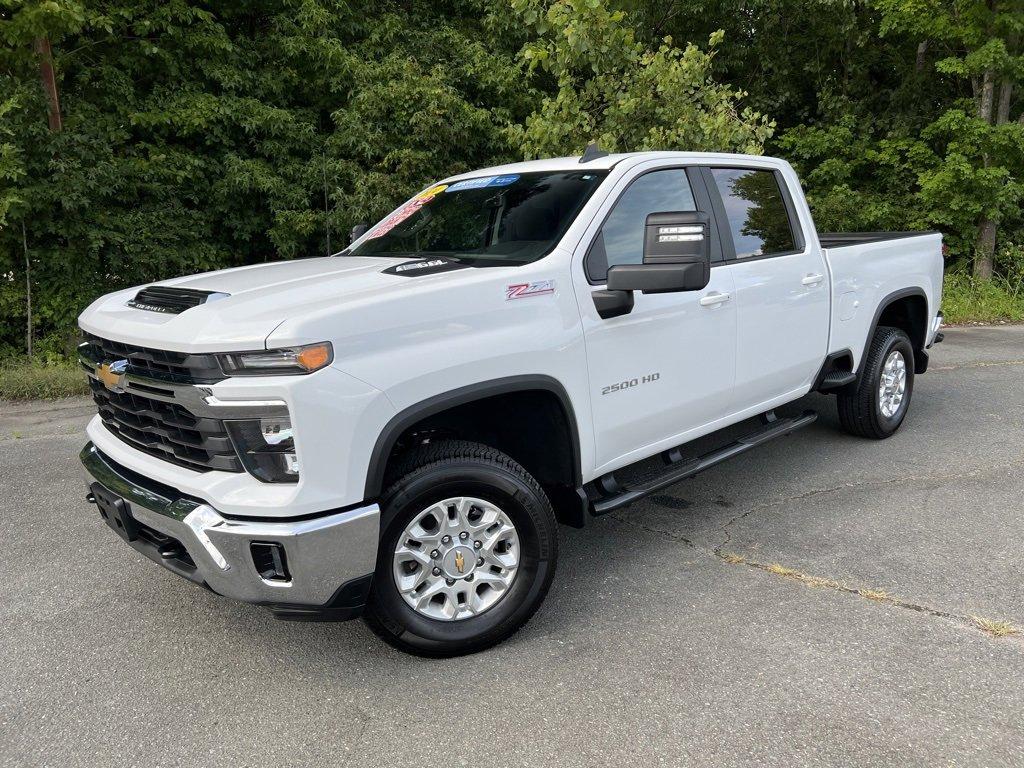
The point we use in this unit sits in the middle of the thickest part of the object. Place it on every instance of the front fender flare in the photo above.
(408, 417)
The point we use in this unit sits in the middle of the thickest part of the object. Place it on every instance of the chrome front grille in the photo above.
(166, 430)
(179, 367)
(156, 407)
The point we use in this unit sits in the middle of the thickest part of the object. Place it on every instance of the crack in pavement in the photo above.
(978, 364)
(17, 437)
(857, 485)
(1006, 630)
(983, 625)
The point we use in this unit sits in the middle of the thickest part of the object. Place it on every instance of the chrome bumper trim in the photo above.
(323, 553)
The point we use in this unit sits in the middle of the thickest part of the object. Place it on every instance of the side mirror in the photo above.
(658, 278)
(677, 257)
(356, 232)
(682, 237)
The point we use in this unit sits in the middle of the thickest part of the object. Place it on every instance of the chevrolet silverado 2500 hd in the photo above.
(394, 431)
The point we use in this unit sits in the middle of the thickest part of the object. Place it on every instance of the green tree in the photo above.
(11, 168)
(802, 62)
(196, 136)
(983, 152)
(611, 88)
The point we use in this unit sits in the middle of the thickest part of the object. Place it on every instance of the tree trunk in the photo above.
(922, 50)
(49, 80)
(327, 211)
(985, 247)
(985, 244)
(1003, 110)
(988, 88)
(28, 293)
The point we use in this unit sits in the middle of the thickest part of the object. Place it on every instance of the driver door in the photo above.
(664, 371)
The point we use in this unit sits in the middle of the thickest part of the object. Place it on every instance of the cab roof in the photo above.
(600, 163)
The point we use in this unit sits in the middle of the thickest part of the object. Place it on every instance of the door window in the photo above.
(621, 239)
(756, 211)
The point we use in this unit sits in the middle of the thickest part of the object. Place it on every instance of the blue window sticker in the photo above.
(484, 181)
(504, 181)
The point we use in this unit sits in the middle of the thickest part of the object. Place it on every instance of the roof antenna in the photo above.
(592, 152)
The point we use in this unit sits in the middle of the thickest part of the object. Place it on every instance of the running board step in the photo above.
(683, 469)
(836, 379)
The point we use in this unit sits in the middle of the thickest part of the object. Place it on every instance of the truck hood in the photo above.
(258, 299)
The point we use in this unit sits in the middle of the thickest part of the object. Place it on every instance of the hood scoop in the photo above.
(172, 301)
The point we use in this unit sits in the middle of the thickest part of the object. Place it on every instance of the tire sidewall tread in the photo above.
(859, 412)
(450, 468)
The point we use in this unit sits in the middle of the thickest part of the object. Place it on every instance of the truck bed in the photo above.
(840, 239)
(867, 268)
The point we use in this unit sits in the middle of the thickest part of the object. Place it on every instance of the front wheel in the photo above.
(879, 403)
(467, 551)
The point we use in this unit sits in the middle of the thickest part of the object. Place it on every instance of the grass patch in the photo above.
(781, 570)
(966, 300)
(804, 578)
(874, 594)
(995, 628)
(991, 627)
(35, 381)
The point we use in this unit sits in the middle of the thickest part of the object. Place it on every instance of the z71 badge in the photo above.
(526, 290)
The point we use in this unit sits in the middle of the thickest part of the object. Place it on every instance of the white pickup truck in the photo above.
(395, 431)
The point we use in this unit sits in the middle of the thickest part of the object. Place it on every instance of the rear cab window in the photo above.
(757, 211)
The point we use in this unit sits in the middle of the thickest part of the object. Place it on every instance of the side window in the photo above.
(756, 211)
(621, 239)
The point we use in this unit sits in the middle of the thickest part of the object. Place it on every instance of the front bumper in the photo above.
(330, 557)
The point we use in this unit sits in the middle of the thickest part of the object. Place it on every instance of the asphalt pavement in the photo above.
(822, 600)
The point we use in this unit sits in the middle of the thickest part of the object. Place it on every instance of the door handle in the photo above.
(714, 298)
(812, 279)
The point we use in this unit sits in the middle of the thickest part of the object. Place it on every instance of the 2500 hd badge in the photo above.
(623, 385)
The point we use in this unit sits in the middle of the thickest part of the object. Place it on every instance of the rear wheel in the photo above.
(467, 551)
(878, 405)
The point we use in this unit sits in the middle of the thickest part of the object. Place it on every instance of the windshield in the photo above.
(486, 221)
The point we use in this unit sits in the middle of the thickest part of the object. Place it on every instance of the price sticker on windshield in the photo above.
(406, 211)
(484, 181)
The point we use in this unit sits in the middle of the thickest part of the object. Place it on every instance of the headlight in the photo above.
(290, 360)
(266, 448)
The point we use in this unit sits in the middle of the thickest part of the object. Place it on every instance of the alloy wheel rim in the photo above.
(892, 385)
(456, 559)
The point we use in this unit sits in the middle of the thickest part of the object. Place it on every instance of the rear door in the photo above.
(781, 285)
(666, 368)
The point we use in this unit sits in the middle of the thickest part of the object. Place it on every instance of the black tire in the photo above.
(860, 413)
(446, 469)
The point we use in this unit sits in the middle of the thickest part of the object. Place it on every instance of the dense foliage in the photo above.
(141, 139)
(199, 135)
(611, 88)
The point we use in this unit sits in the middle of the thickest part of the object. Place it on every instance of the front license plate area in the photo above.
(115, 512)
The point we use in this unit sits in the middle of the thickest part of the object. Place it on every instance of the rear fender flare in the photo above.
(884, 304)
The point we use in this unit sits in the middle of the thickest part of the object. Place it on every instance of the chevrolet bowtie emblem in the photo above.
(460, 561)
(112, 375)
